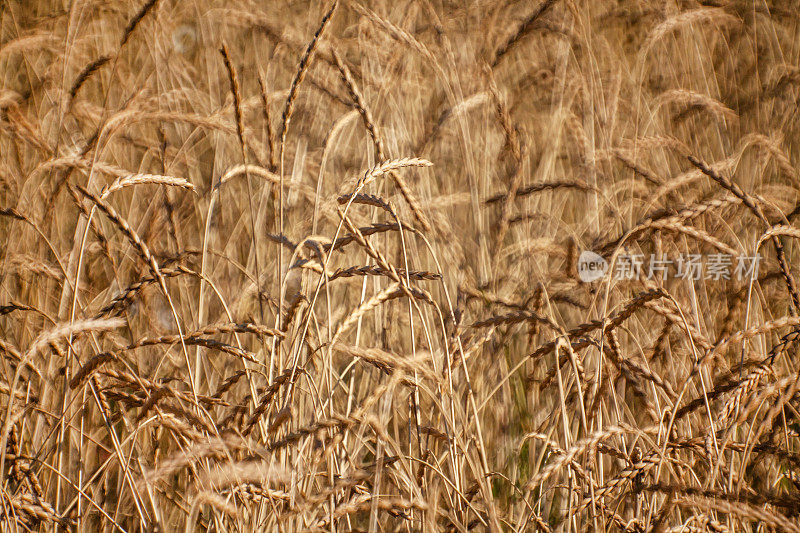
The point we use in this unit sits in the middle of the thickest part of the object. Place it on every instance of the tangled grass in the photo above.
(315, 266)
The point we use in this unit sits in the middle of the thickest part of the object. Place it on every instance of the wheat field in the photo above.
(399, 266)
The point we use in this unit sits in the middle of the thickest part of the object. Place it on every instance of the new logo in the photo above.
(591, 266)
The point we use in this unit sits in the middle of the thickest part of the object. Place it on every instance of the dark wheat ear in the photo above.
(237, 109)
(233, 78)
(91, 68)
(86, 73)
(521, 32)
(302, 69)
(145, 253)
(135, 20)
(262, 85)
(504, 116)
(13, 213)
(377, 140)
(125, 228)
(757, 210)
(358, 102)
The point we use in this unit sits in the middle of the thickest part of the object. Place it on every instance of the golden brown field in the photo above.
(313, 266)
